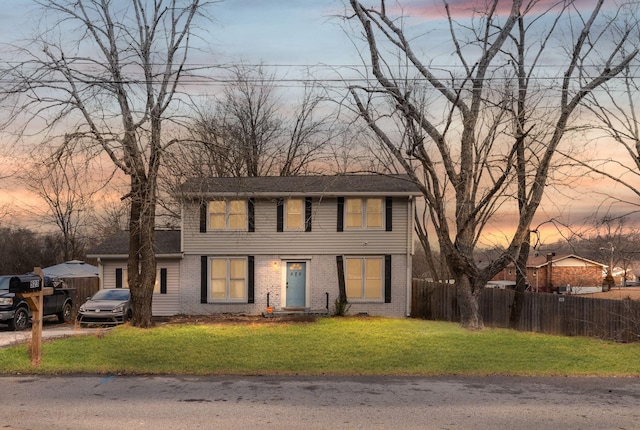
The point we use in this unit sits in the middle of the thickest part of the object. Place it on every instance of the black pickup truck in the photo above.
(15, 311)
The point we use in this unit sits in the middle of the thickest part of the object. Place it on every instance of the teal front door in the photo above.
(296, 284)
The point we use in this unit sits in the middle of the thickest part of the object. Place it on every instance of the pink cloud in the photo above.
(435, 9)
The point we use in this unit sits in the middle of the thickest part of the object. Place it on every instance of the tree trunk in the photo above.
(468, 303)
(142, 262)
(521, 285)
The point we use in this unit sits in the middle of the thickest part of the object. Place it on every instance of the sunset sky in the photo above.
(294, 36)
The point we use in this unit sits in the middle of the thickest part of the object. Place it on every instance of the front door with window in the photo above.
(296, 284)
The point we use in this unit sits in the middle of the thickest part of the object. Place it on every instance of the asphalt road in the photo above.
(121, 402)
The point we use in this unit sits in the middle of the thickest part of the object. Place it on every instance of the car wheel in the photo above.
(64, 315)
(20, 319)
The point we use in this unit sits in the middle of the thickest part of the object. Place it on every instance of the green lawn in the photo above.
(337, 346)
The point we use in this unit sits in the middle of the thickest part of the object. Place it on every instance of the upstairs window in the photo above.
(228, 215)
(364, 213)
(295, 214)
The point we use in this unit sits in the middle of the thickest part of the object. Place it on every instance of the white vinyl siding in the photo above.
(323, 239)
(162, 304)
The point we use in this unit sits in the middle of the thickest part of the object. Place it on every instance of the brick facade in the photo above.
(322, 279)
(569, 270)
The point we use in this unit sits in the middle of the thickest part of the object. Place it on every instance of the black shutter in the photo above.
(118, 278)
(204, 263)
(163, 281)
(340, 213)
(307, 214)
(251, 280)
(280, 215)
(252, 214)
(387, 279)
(203, 217)
(388, 206)
(342, 288)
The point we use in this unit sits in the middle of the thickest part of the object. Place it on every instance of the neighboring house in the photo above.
(112, 255)
(551, 273)
(289, 242)
(623, 276)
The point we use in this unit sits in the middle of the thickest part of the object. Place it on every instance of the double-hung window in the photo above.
(364, 278)
(228, 281)
(228, 215)
(295, 214)
(364, 213)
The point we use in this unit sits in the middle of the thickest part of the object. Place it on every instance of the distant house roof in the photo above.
(342, 185)
(71, 269)
(166, 243)
(538, 261)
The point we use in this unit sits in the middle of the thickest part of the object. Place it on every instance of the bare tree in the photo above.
(250, 131)
(460, 142)
(22, 249)
(67, 184)
(103, 77)
(616, 109)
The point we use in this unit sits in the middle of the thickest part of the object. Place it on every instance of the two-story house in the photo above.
(291, 242)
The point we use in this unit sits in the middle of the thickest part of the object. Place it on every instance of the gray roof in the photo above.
(167, 242)
(268, 186)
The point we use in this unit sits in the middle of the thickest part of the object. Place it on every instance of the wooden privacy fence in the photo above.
(80, 289)
(568, 315)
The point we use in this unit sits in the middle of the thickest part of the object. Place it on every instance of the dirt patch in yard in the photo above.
(624, 293)
(234, 319)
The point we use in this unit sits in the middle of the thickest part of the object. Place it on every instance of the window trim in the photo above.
(363, 279)
(365, 213)
(301, 227)
(227, 299)
(227, 215)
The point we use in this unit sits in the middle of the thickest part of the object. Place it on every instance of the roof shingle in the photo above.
(166, 242)
(301, 185)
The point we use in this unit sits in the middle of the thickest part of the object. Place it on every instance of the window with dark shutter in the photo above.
(387, 279)
(118, 278)
(340, 214)
(280, 215)
(342, 287)
(388, 206)
(251, 280)
(204, 279)
(163, 281)
(307, 213)
(251, 214)
(203, 217)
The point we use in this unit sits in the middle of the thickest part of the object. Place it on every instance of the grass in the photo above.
(336, 346)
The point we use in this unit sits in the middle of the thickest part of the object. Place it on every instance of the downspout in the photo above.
(410, 211)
